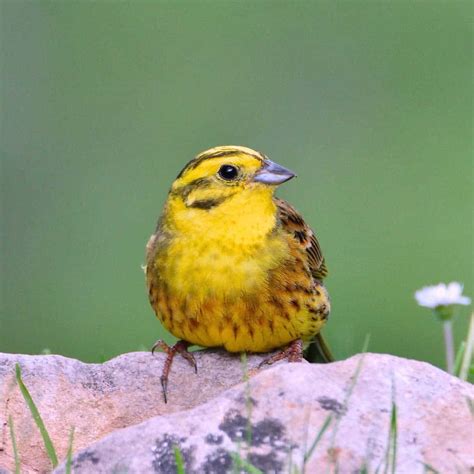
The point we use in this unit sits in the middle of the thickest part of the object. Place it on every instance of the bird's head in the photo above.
(228, 173)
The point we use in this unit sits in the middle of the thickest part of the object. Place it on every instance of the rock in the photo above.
(274, 419)
(100, 398)
(271, 421)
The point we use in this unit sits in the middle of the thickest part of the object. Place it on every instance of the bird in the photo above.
(230, 265)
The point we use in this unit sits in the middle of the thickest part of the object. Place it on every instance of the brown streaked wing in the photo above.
(292, 222)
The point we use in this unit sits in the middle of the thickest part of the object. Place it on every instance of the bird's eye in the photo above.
(228, 172)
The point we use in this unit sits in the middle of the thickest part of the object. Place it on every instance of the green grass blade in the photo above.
(394, 437)
(349, 391)
(390, 461)
(69, 452)
(290, 461)
(179, 461)
(236, 460)
(355, 377)
(470, 404)
(316, 441)
(48, 444)
(430, 469)
(365, 346)
(458, 358)
(14, 445)
(248, 398)
(466, 362)
(364, 469)
(241, 463)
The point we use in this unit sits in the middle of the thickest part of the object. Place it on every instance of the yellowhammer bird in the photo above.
(232, 266)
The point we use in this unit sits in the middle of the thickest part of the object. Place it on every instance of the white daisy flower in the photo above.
(442, 295)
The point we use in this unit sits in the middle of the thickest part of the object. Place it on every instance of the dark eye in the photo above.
(228, 172)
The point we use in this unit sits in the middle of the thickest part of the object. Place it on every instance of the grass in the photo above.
(459, 358)
(48, 444)
(239, 463)
(429, 469)
(70, 452)
(242, 464)
(466, 366)
(179, 461)
(14, 445)
(470, 404)
(316, 441)
(248, 399)
(390, 458)
(350, 390)
(391, 451)
(393, 438)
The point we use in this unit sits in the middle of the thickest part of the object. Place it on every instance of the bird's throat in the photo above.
(244, 218)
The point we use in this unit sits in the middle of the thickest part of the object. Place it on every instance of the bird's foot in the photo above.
(181, 347)
(293, 353)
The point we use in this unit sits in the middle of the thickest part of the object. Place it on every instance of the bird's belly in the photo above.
(248, 321)
(213, 323)
(254, 325)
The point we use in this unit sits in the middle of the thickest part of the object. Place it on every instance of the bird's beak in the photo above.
(272, 173)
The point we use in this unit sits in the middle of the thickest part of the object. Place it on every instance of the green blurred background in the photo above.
(103, 104)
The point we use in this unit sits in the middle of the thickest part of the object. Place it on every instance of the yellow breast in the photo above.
(224, 278)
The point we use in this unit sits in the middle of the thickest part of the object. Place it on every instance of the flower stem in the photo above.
(449, 345)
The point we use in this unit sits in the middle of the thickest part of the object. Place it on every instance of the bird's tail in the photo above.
(318, 351)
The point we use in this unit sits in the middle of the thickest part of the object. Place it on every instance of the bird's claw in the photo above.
(293, 353)
(181, 347)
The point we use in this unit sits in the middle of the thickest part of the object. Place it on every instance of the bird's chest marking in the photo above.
(223, 270)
